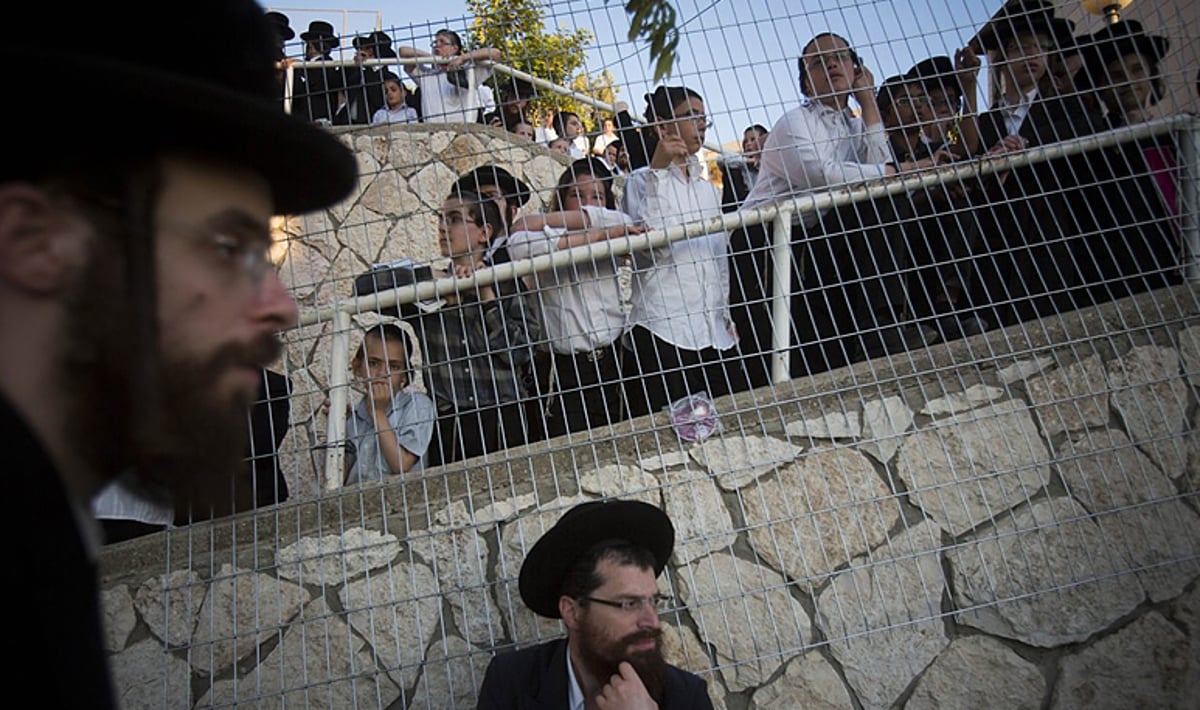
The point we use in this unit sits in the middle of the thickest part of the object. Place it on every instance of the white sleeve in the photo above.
(806, 159)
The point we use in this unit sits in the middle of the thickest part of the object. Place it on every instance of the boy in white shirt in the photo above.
(396, 110)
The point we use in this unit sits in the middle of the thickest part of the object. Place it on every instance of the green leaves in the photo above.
(654, 22)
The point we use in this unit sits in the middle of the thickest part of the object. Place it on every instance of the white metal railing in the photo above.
(1186, 127)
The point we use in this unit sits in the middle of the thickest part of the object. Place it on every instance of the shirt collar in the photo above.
(574, 692)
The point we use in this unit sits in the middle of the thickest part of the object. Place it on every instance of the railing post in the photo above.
(781, 296)
(339, 396)
(472, 90)
(1189, 198)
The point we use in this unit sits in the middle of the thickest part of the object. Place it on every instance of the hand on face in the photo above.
(671, 148)
(863, 84)
(625, 691)
(966, 65)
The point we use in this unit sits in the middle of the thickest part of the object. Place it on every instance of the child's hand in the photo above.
(671, 147)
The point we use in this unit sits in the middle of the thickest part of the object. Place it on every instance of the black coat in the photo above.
(536, 679)
(364, 96)
(62, 662)
(315, 91)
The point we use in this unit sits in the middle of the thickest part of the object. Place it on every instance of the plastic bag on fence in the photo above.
(694, 417)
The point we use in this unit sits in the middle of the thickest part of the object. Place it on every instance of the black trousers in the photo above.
(584, 390)
(463, 435)
(666, 373)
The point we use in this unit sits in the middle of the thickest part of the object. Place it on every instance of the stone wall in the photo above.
(1008, 521)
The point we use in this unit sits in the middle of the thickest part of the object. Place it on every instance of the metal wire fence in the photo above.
(918, 398)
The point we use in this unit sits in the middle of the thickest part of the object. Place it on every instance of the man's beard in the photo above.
(602, 658)
(160, 418)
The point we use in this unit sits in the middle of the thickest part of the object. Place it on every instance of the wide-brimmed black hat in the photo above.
(512, 188)
(517, 88)
(1115, 41)
(374, 40)
(577, 531)
(225, 105)
(320, 29)
(1019, 16)
(936, 73)
(281, 25)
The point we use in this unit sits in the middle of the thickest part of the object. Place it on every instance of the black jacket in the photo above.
(62, 661)
(536, 679)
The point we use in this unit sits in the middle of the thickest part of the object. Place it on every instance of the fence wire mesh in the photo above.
(915, 395)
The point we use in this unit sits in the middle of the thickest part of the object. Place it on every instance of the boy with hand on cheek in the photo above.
(389, 429)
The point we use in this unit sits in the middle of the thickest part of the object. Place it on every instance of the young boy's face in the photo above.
(394, 92)
(383, 365)
(458, 234)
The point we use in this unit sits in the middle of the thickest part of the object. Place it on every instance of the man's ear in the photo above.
(39, 246)
(568, 609)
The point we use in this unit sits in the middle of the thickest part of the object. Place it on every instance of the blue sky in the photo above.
(740, 54)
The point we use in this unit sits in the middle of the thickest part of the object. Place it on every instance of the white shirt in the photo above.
(443, 102)
(682, 296)
(579, 303)
(404, 114)
(602, 142)
(1014, 116)
(575, 700)
(127, 498)
(814, 147)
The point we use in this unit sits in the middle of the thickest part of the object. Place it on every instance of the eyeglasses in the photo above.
(441, 43)
(697, 118)
(632, 605)
(249, 255)
(1029, 47)
(826, 58)
(916, 101)
(454, 219)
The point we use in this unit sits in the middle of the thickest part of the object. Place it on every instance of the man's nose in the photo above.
(275, 304)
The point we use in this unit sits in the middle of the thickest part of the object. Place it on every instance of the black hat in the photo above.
(226, 105)
(577, 531)
(885, 96)
(1115, 41)
(319, 29)
(281, 25)
(936, 73)
(1019, 16)
(375, 40)
(517, 88)
(661, 104)
(493, 175)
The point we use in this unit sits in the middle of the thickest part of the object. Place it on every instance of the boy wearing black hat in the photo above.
(1020, 40)
(1134, 244)
(365, 90)
(596, 570)
(138, 301)
(315, 92)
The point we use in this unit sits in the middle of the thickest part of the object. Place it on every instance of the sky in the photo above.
(739, 54)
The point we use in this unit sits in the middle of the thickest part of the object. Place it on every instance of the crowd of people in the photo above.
(441, 92)
(596, 342)
(610, 338)
(140, 304)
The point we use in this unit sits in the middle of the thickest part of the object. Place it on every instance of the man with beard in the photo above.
(595, 570)
(138, 304)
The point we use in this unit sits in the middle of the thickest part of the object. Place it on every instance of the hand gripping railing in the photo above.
(1186, 128)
